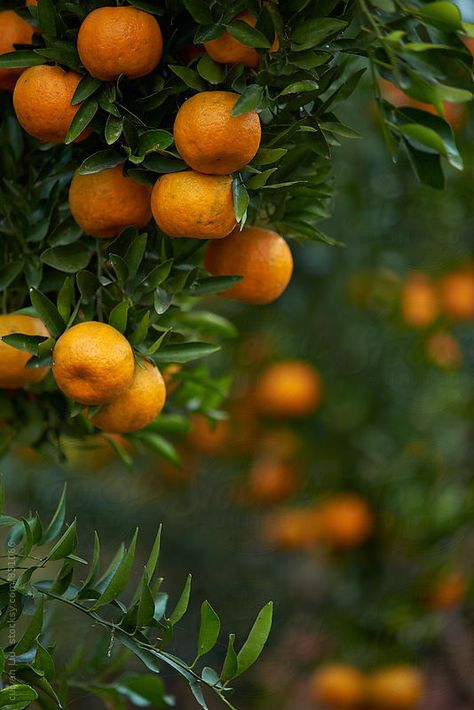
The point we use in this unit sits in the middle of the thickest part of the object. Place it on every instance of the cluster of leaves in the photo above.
(140, 627)
(145, 284)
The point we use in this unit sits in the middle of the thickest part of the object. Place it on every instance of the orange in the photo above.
(210, 139)
(419, 300)
(339, 686)
(272, 481)
(346, 520)
(138, 406)
(13, 370)
(396, 688)
(93, 363)
(189, 204)
(455, 114)
(207, 437)
(42, 102)
(261, 256)
(119, 40)
(289, 389)
(180, 475)
(457, 295)
(293, 529)
(13, 30)
(444, 350)
(448, 592)
(227, 50)
(104, 203)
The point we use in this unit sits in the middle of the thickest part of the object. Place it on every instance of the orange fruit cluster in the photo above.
(94, 364)
(214, 143)
(344, 687)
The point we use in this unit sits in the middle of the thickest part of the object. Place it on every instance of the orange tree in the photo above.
(208, 117)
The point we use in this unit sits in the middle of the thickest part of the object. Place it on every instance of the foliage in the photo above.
(145, 284)
(139, 627)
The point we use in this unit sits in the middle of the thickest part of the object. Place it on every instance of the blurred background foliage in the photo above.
(393, 433)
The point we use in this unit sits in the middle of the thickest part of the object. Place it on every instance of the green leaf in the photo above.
(312, 33)
(230, 666)
(86, 87)
(241, 200)
(119, 316)
(267, 156)
(258, 181)
(209, 629)
(251, 99)
(47, 19)
(119, 579)
(190, 77)
(185, 352)
(299, 86)
(151, 565)
(102, 160)
(256, 639)
(65, 299)
(81, 120)
(444, 15)
(208, 323)
(212, 284)
(113, 129)
(183, 603)
(66, 544)
(27, 343)
(248, 35)
(20, 58)
(57, 521)
(44, 662)
(94, 564)
(69, 258)
(210, 70)
(17, 696)
(154, 140)
(158, 444)
(199, 11)
(33, 630)
(48, 313)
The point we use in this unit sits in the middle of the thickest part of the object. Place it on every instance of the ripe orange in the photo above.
(138, 406)
(272, 481)
(419, 304)
(457, 295)
(448, 592)
(13, 30)
(227, 50)
(339, 686)
(31, 2)
(346, 520)
(189, 204)
(289, 389)
(261, 256)
(42, 102)
(293, 529)
(13, 370)
(119, 40)
(210, 139)
(93, 363)
(396, 688)
(444, 350)
(104, 203)
(207, 437)
(455, 114)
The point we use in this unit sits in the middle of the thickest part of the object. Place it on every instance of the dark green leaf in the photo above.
(48, 313)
